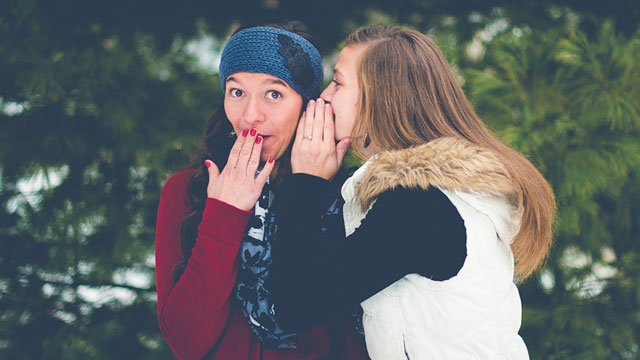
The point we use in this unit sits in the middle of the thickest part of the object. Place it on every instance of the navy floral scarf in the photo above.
(255, 266)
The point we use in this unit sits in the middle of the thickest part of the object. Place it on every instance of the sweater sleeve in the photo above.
(406, 231)
(193, 311)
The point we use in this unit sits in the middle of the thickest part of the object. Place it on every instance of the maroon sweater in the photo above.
(200, 316)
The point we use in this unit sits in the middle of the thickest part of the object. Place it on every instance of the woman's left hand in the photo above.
(315, 151)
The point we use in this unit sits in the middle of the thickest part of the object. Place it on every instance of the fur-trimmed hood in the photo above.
(447, 163)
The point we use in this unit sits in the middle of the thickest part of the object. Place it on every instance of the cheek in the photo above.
(289, 119)
(345, 124)
(287, 127)
(284, 126)
(233, 114)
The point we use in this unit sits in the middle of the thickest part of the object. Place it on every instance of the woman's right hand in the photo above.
(237, 184)
(315, 151)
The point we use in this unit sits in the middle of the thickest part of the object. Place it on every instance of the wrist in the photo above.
(233, 202)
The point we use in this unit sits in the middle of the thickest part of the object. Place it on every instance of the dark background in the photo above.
(101, 101)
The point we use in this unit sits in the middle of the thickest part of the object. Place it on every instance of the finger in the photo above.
(214, 172)
(234, 154)
(261, 179)
(246, 149)
(318, 122)
(329, 126)
(254, 160)
(308, 123)
(300, 128)
(341, 150)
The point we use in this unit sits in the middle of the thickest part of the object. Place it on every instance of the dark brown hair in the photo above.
(409, 96)
(216, 144)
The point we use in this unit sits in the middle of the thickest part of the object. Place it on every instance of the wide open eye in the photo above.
(274, 95)
(235, 92)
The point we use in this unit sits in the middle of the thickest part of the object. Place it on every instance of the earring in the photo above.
(367, 140)
(232, 134)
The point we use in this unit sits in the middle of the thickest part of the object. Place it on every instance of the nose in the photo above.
(327, 93)
(253, 112)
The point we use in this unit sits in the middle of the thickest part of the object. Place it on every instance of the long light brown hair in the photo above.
(409, 96)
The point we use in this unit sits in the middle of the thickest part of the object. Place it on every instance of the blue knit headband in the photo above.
(276, 52)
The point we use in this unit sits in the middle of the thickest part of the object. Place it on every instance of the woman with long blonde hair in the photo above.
(439, 221)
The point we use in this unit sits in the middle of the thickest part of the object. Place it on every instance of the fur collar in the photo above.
(447, 163)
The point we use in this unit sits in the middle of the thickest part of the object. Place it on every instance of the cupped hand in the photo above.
(315, 151)
(237, 184)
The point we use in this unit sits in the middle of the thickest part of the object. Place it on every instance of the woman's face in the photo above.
(344, 91)
(265, 103)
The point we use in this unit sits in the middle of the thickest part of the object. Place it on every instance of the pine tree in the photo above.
(572, 104)
(101, 101)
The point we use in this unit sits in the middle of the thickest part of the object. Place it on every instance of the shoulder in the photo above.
(415, 202)
(175, 188)
(178, 181)
(413, 212)
(446, 163)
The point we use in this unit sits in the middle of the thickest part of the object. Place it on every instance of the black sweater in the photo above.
(406, 231)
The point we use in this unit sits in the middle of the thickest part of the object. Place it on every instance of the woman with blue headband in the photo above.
(217, 221)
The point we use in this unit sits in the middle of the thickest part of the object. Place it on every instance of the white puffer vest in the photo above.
(477, 313)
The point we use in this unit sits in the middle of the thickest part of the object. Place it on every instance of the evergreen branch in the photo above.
(94, 283)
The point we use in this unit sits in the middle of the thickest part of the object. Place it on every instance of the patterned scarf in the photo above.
(255, 267)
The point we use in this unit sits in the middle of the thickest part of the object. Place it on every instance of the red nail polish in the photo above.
(270, 159)
(208, 164)
(253, 132)
(258, 139)
(245, 132)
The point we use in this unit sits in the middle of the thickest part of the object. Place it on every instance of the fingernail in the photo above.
(245, 132)
(207, 163)
(258, 139)
(253, 132)
(270, 159)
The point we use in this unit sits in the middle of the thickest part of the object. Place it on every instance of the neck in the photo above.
(369, 151)
(274, 172)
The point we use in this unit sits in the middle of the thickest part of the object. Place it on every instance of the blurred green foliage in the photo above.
(101, 102)
(572, 103)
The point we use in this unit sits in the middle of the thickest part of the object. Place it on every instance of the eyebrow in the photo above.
(276, 81)
(269, 81)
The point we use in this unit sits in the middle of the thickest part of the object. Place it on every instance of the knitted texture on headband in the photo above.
(276, 52)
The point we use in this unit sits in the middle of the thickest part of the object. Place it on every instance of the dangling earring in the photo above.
(232, 134)
(367, 140)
